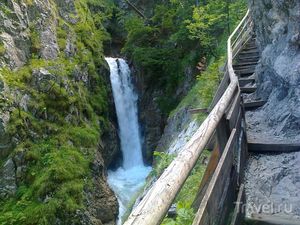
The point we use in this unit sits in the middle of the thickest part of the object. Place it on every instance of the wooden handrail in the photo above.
(156, 203)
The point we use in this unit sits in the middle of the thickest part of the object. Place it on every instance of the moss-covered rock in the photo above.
(55, 109)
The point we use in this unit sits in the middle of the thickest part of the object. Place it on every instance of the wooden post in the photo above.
(223, 133)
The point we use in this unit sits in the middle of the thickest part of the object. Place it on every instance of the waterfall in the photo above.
(128, 179)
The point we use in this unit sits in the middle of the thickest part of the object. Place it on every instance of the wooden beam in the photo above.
(245, 63)
(245, 67)
(238, 214)
(248, 58)
(254, 104)
(264, 219)
(245, 71)
(209, 171)
(221, 89)
(248, 89)
(270, 147)
(249, 52)
(233, 113)
(246, 81)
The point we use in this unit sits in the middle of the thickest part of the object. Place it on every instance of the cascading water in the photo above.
(127, 180)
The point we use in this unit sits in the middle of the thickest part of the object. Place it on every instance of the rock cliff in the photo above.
(57, 120)
(278, 37)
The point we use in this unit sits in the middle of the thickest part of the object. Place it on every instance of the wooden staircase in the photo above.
(244, 67)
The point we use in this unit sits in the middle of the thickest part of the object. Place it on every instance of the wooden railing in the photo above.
(225, 120)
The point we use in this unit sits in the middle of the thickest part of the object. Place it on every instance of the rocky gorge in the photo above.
(58, 126)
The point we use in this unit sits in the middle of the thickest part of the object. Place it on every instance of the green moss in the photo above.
(35, 40)
(53, 187)
(5, 9)
(2, 49)
(29, 2)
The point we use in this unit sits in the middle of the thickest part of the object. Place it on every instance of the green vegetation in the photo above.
(58, 133)
(175, 38)
(2, 49)
(162, 161)
(185, 198)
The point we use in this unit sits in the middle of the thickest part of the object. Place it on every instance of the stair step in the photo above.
(246, 58)
(245, 64)
(254, 104)
(263, 219)
(245, 72)
(254, 146)
(250, 48)
(245, 67)
(244, 52)
(248, 89)
(245, 81)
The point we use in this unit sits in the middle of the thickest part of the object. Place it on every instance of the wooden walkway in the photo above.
(227, 126)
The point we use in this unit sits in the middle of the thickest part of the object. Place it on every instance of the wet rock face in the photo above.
(157, 129)
(179, 129)
(8, 186)
(102, 204)
(273, 184)
(278, 37)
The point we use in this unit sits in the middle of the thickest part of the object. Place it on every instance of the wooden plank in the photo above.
(245, 64)
(238, 214)
(246, 67)
(223, 133)
(254, 104)
(221, 89)
(209, 171)
(264, 219)
(249, 52)
(245, 71)
(248, 89)
(245, 81)
(228, 198)
(233, 113)
(251, 47)
(210, 210)
(242, 152)
(212, 142)
(270, 147)
(248, 58)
